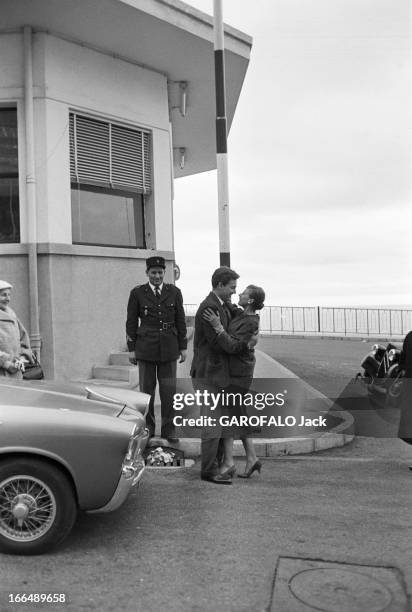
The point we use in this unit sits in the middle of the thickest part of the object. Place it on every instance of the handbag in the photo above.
(33, 371)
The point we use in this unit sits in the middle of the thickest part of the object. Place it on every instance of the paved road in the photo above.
(327, 364)
(330, 365)
(183, 545)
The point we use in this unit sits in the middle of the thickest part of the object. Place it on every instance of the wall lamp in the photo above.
(182, 97)
(182, 156)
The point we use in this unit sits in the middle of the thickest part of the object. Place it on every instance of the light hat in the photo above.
(5, 285)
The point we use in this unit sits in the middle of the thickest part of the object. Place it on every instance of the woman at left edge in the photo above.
(14, 339)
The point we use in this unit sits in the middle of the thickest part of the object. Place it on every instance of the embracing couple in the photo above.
(224, 360)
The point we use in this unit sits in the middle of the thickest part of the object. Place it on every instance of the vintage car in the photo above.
(64, 448)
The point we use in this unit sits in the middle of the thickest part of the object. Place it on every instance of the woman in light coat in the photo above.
(14, 339)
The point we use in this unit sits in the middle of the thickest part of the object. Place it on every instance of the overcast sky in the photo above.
(319, 158)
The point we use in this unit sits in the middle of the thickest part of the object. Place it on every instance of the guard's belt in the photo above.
(157, 325)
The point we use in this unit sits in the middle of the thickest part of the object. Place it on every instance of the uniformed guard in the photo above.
(156, 332)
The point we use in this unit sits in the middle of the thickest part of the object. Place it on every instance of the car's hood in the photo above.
(45, 394)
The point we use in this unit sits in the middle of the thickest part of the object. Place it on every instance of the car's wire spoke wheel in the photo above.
(27, 508)
(37, 505)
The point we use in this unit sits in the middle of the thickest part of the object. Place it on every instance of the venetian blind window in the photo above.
(110, 172)
(9, 177)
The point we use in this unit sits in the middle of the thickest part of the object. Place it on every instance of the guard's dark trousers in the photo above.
(165, 372)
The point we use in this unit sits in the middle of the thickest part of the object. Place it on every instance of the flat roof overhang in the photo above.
(167, 36)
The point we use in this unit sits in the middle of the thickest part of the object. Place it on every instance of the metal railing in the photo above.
(331, 321)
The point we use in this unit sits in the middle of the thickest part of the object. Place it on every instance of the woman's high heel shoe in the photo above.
(229, 473)
(256, 467)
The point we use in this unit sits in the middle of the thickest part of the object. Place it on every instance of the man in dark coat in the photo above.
(210, 365)
(405, 424)
(156, 332)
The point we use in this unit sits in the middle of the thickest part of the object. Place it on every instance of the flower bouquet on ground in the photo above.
(163, 456)
(159, 457)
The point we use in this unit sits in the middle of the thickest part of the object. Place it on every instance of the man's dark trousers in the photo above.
(165, 372)
(211, 444)
(212, 451)
(205, 376)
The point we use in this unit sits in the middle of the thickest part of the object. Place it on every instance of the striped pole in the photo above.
(221, 135)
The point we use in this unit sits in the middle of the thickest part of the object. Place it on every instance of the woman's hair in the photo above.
(257, 295)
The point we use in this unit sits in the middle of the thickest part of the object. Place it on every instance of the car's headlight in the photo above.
(375, 347)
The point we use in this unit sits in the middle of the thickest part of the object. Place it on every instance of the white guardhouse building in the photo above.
(102, 104)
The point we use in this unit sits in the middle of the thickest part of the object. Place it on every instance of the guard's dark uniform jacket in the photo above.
(156, 327)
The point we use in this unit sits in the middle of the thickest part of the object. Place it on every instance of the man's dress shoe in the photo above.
(218, 479)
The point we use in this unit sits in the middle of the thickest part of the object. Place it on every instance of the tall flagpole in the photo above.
(221, 135)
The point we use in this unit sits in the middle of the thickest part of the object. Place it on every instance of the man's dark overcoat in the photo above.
(156, 328)
(210, 371)
(210, 360)
(405, 424)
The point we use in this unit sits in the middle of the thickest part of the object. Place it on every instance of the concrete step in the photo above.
(107, 382)
(120, 358)
(117, 372)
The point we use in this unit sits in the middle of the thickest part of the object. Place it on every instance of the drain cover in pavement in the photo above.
(305, 584)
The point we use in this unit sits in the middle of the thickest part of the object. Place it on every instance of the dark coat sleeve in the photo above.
(205, 328)
(223, 342)
(406, 355)
(234, 310)
(180, 321)
(132, 321)
(240, 333)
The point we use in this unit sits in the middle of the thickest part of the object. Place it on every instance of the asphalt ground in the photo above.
(327, 364)
(330, 365)
(184, 545)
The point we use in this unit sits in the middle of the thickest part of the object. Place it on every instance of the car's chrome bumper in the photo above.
(132, 471)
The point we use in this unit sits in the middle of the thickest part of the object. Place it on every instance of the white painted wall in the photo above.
(70, 76)
(92, 80)
(11, 53)
(52, 171)
(163, 212)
